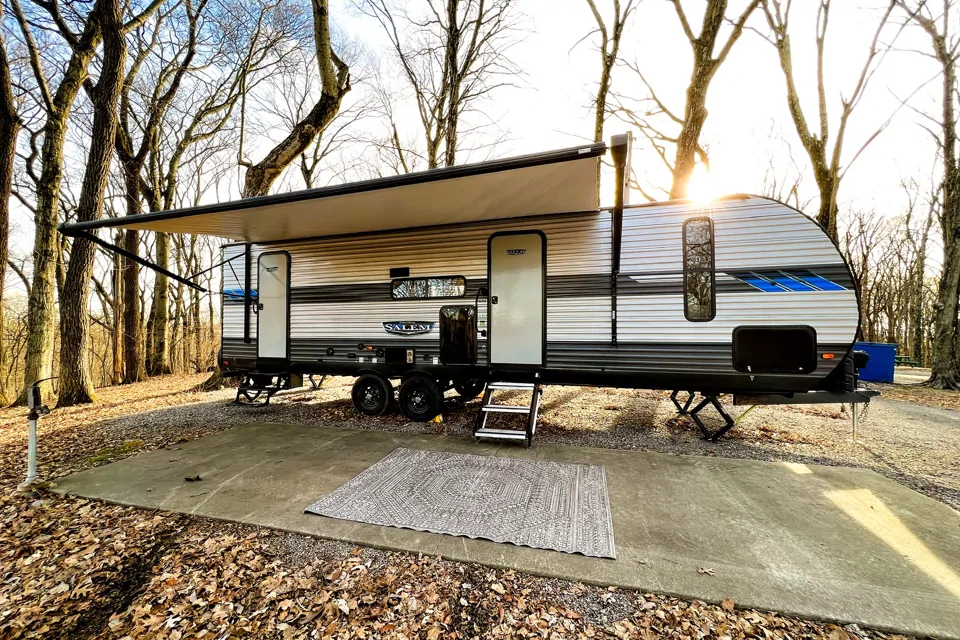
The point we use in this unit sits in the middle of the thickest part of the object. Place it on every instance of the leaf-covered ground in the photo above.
(72, 568)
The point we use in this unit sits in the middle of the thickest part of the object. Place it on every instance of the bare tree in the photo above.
(132, 160)
(918, 238)
(827, 163)
(76, 383)
(710, 48)
(334, 84)
(944, 44)
(57, 106)
(9, 128)
(452, 54)
(609, 54)
(292, 89)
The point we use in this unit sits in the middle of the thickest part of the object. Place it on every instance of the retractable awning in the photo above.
(545, 183)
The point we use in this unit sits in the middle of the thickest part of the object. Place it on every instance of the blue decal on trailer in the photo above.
(819, 281)
(757, 282)
(785, 281)
(800, 280)
(236, 295)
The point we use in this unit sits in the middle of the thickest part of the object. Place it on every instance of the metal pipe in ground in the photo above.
(37, 408)
(855, 413)
(31, 479)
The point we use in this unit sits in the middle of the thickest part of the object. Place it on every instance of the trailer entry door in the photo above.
(273, 305)
(517, 266)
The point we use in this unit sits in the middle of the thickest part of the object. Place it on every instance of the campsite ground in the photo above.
(77, 568)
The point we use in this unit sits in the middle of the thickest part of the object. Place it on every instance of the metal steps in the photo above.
(256, 389)
(481, 430)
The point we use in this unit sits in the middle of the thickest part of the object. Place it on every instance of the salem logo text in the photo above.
(407, 327)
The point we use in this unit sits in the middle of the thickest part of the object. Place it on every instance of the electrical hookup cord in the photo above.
(36, 409)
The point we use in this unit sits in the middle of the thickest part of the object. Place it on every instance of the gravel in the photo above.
(915, 444)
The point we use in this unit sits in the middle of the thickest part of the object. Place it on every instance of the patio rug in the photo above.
(534, 503)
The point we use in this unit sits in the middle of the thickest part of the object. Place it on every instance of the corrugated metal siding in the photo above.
(577, 244)
(660, 318)
(754, 233)
(233, 277)
(653, 358)
(749, 234)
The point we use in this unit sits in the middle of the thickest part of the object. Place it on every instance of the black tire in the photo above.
(371, 394)
(468, 389)
(421, 399)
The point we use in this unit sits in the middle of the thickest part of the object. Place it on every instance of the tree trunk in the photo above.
(261, 176)
(41, 304)
(117, 277)
(453, 66)
(944, 372)
(76, 382)
(134, 370)
(9, 127)
(688, 142)
(160, 314)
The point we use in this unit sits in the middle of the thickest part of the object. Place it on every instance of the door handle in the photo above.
(260, 306)
(494, 300)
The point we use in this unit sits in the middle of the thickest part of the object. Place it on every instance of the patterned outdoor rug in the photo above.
(534, 503)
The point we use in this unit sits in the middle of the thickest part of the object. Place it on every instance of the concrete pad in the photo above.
(831, 543)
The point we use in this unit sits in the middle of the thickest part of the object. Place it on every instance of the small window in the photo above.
(442, 287)
(699, 275)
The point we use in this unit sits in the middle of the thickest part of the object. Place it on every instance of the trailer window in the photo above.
(699, 276)
(442, 287)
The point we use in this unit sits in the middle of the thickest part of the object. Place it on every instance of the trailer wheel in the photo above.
(371, 394)
(420, 398)
(468, 389)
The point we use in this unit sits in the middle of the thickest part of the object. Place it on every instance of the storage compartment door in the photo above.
(273, 308)
(517, 330)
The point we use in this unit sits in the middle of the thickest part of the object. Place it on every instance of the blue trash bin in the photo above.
(882, 361)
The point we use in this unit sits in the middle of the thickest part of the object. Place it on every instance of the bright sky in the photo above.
(749, 128)
(749, 125)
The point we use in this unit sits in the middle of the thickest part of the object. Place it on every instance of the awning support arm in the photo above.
(219, 264)
(132, 256)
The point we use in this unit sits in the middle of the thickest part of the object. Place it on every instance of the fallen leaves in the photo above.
(73, 568)
(705, 571)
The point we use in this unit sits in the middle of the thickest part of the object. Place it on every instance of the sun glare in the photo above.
(704, 186)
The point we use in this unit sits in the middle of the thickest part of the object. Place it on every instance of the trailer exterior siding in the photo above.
(341, 294)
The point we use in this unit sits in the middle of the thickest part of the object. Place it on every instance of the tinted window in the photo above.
(698, 270)
(442, 287)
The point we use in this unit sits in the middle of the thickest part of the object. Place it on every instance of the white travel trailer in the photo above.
(509, 275)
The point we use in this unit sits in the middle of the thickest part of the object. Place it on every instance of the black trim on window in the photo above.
(689, 272)
(460, 281)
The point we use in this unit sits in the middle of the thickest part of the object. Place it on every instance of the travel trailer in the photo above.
(508, 275)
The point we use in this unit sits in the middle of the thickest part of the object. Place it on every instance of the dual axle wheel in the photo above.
(420, 397)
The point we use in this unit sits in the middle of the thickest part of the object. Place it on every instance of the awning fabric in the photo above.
(553, 182)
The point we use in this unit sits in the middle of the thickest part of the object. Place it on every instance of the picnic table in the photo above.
(906, 360)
